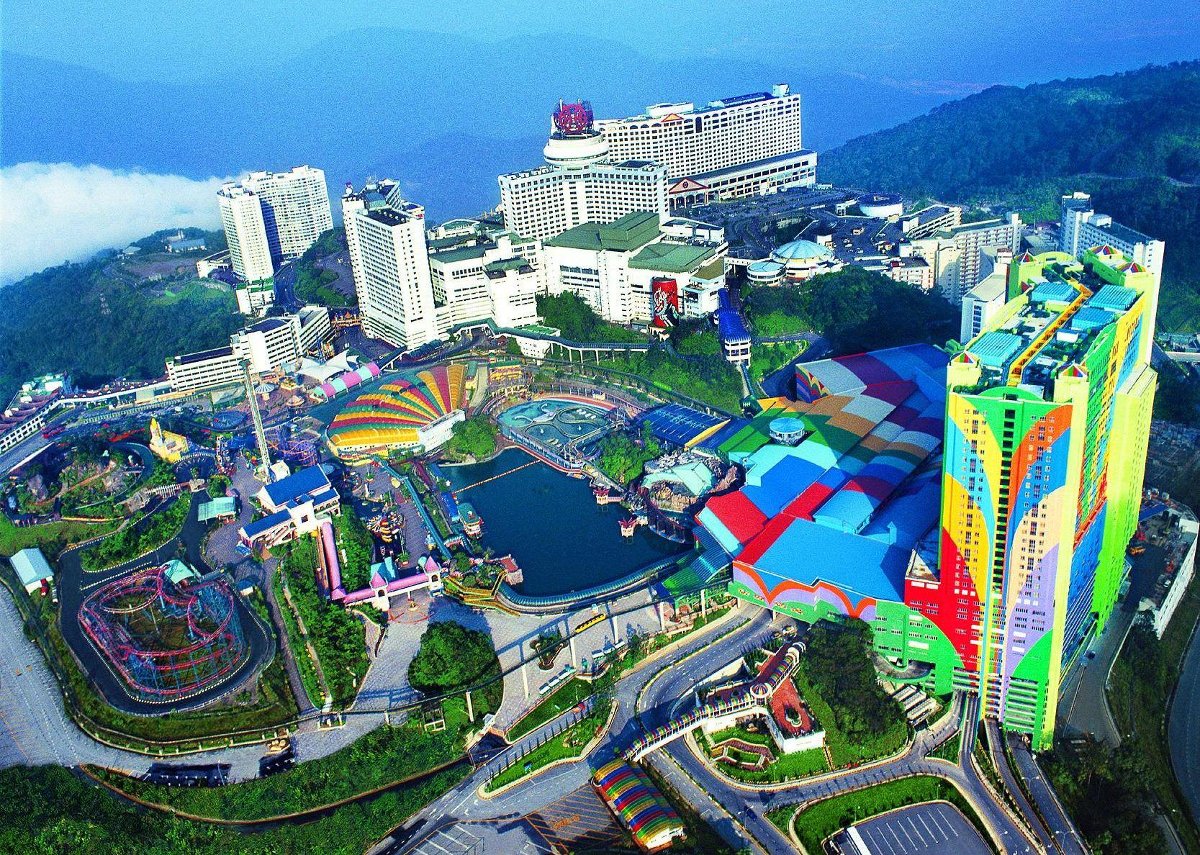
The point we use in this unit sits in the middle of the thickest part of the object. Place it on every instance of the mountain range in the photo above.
(1131, 139)
(444, 114)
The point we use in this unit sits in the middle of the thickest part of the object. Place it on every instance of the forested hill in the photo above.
(111, 317)
(1132, 139)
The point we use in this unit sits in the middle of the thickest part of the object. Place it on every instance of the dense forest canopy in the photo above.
(97, 320)
(1131, 139)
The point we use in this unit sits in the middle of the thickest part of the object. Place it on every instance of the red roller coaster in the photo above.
(165, 641)
(573, 118)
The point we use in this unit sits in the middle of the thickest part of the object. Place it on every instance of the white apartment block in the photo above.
(1082, 228)
(390, 261)
(485, 279)
(246, 234)
(613, 267)
(982, 304)
(272, 344)
(543, 202)
(729, 148)
(295, 208)
(956, 254)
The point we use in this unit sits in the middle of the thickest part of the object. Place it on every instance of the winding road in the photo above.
(649, 697)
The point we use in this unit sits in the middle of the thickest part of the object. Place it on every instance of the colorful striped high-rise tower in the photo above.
(1047, 424)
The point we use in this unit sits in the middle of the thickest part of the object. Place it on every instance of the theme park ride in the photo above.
(166, 641)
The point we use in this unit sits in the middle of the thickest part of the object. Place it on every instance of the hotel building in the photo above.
(975, 509)
(580, 182)
(729, 148)
(389, 260)
(295, 206)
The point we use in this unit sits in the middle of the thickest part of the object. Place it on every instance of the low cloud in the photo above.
(56, 212)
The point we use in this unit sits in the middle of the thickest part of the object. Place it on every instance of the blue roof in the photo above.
(308, 481)
(31, 566)
(254, 529)
(677, 424)
(1059, 292)
(1090, 318)
(801, 249)
(995, 348)
(1116, 297)
(858, 566)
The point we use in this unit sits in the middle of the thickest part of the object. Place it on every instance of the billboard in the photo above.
(664, 301)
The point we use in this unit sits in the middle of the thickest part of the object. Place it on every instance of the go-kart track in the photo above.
(167, 643)
(150, 647)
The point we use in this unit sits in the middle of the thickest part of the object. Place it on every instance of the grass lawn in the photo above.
(844, 750)
(565, 746)
(554, 704)
(949, 749)
(382, 757)
(799, 764)
(299, 650)
(48, 809)
(818, 821)
(51, 538)
(269, 706)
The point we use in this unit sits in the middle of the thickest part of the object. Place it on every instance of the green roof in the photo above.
(31, 566)
(449, 256)
(626, 234)
(671, 257)
(220, 506)
(712, 269)
(506, 264)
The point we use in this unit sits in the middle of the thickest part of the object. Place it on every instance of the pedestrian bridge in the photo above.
(752, 696)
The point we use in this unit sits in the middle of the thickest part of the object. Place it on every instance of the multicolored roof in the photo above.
(393, 414)
(846, 505)
(345, 382)
(630, 795)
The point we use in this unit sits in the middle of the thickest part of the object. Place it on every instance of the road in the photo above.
(1000, 763)
(1183, 730)
(75, 585)
(464, 803)
(1066, 836)
(651, 696)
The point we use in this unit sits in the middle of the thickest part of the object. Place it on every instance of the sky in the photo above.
(972, 42)
(52, 210)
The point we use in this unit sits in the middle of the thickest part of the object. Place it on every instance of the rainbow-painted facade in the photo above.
(417, 412)
(639, 805)
(830, 526)
(976, 513)
(1047, 425)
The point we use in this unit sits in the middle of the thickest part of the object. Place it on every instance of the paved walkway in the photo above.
(1184, 728)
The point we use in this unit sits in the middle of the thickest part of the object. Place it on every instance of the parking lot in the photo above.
(928, 829)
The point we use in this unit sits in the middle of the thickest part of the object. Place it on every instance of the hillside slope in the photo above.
(1132, 139)
(104, 318)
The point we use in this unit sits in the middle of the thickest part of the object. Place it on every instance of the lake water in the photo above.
(551, 524)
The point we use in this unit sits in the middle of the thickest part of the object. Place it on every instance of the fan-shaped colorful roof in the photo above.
(393, 414)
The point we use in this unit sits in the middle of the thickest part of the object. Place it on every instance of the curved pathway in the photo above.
(75, 584)
(646, 699)
(1183, 731)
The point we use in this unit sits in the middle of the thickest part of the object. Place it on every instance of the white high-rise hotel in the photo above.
(732, 147)
(672, 156)
(293, 211)
(580, 183)
(390, 262)
(245, 232)
(295, 208)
